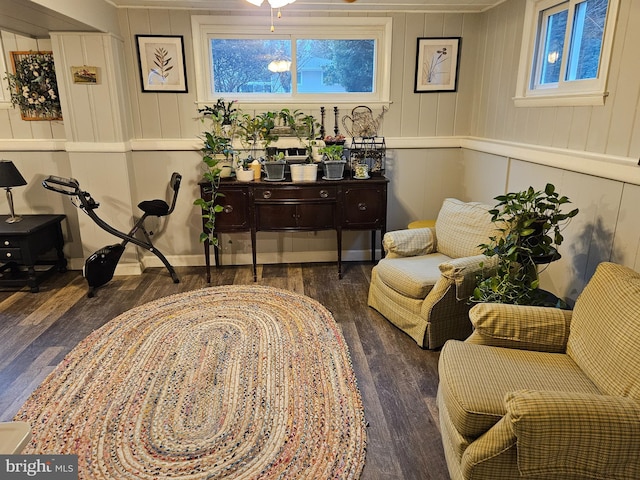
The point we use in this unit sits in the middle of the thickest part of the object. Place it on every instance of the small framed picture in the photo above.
(437, 62)
(85, 74)
(161, 62)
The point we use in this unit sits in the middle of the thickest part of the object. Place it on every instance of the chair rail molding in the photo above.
(614, 167)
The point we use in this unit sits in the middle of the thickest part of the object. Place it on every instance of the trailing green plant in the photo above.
(529, 225)
(209, 206)
(217, 141)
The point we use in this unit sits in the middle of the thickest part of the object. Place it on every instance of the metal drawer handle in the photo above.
(324, 193)
(8, 254)
(362, 206)
(266, 194)
(227, 208)
(6, 242)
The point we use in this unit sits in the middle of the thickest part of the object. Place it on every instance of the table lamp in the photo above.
(10, 177)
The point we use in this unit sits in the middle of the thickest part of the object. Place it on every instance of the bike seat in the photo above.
(157, 208)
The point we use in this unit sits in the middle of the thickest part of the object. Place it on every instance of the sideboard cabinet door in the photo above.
(236, 210)
(364, 207)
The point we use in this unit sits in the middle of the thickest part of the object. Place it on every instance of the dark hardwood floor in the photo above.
(397, 379)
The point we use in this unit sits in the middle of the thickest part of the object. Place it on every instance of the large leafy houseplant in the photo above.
(529, 225)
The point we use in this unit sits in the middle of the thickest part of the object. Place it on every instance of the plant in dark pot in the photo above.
(529, 225)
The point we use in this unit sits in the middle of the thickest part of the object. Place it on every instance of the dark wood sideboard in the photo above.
(263, 206)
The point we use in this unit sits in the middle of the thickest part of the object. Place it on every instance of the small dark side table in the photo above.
(25, 243)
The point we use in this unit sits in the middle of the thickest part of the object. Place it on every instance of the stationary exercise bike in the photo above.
(100, 266)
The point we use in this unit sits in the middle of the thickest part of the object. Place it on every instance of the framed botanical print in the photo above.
(161, 63)
(437, 62)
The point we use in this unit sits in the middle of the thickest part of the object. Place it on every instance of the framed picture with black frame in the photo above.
(437, 62)
(161, 63)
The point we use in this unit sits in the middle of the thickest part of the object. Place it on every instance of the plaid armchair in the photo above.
(545, 393)
(423, 283)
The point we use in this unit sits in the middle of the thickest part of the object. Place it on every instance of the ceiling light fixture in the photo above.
(273, 3)
(279, 66)
(277, 4)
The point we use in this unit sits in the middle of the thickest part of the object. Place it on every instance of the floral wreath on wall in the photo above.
(33, 86)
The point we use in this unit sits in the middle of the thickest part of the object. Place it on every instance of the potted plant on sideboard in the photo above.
(333, 161)
(530, 224)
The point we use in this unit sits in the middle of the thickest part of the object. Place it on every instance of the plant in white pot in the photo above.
(244, 173)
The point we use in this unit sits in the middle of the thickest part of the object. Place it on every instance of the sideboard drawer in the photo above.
(286, 216)
(10, 255)
(311, 192)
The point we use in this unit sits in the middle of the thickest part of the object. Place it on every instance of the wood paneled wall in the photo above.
(612, 129)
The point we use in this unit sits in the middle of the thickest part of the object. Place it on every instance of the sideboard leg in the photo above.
(207, 260)
(253, 254)
(339, 234)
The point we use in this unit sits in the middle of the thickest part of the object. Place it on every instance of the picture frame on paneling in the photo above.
(161, 63)
(437, 64)
(85, 74)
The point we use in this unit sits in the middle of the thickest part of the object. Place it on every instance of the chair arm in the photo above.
(544, 329)
(463, 272)
(563, 434)
(410, 242)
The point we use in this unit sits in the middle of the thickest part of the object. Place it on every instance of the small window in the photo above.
(306, 59)
(565, 55)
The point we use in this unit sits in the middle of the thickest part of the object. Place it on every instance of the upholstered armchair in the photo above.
(423, 284)
(538, 392)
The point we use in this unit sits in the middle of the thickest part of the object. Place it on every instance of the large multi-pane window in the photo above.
(566, 50)
(304, 60)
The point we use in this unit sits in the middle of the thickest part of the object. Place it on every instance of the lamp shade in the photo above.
(9, 175)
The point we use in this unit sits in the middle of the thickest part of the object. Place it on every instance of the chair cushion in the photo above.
(543, 329)
(412, 277)
(461, 227)
(553, 440)
(410, 242)
(605, 330)
(475, 402)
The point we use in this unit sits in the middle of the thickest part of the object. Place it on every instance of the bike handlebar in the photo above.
(72, 187)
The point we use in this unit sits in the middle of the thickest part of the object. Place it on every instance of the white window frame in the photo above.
(566, 93)
(205, 27)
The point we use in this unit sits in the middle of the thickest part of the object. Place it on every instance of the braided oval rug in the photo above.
(237, 382)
